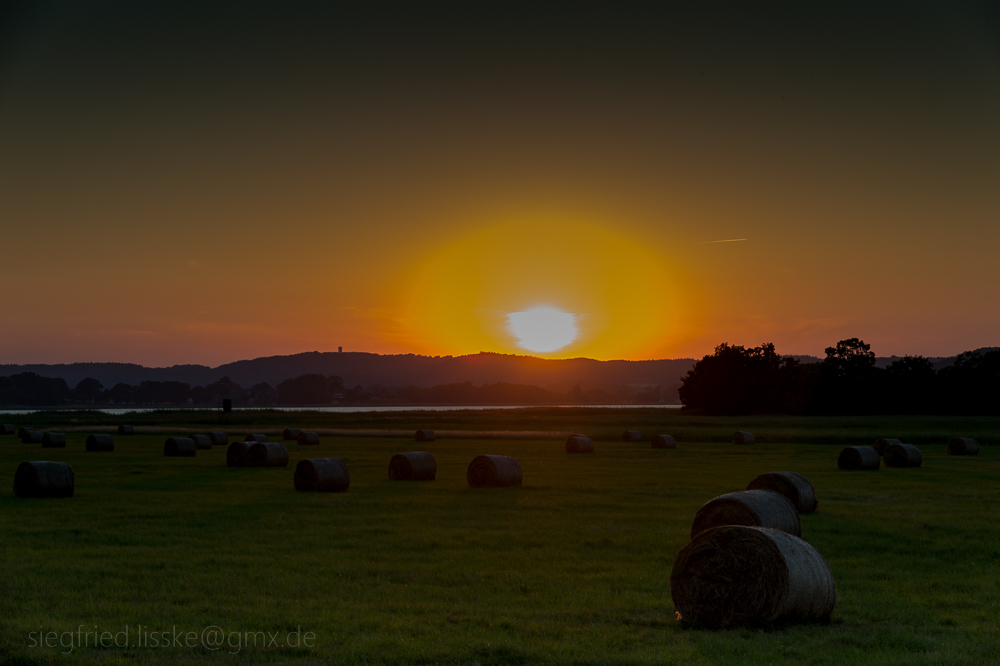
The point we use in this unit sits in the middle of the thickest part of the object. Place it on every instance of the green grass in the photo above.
(572, 568)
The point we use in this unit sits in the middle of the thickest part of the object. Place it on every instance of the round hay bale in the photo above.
(963, 446)
(255, 438)
(53, 440)
(424, 436)
(493, 472)
(308, 438)
(631, 436)
(44, 479)
(663, 442)
(735, 575)
(7, 429)
(201, 441)
(100, 443)
(883, 443)
(413, 466)
(179, 447)
(24, 429)
(902, 455)
(322, 475)
(757, 508)
(858, 458)
(579, 444)
(267, 454)
(31, 437)
(743, 437)
(219, 438)
(236, 454)
(794, 486)
(290, 433)
(126, 430)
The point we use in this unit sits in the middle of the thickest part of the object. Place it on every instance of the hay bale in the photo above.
(100, 443)
(7, 429)
(22, 430)
(44, 479)
(858, 457)
(267, 454)
(31, 437)
(308, 438)
(255, 438)
(493, 472)
(126, 430)
(757, 508)
(663, 442)
(291, 434)
(743, 437)
(322, 475)
(631, 436)
(424, 436)
(579, 444)
(237, 453)
(735, 575)
(902, 455)
(219, 438)
(53, 440)
(201, 441)
(413, 466)
(794, 486)
(963, 446)
(883, 443)
(179, 447)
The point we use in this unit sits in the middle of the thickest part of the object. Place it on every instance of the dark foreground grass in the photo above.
(572, 568)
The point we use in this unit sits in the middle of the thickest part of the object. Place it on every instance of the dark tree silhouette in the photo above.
(736, 380)
(88, 390)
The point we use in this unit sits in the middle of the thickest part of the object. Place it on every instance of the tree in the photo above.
(88, 390)
(736, 380)
(911, 386)
(849, 382)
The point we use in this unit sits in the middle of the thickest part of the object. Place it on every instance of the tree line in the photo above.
(30, 389)
(757, 380)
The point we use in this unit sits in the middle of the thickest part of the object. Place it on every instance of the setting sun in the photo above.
(543, 329)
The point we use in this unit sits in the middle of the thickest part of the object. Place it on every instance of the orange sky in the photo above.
(190, 185)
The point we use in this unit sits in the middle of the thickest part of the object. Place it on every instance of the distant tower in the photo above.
(340, 350)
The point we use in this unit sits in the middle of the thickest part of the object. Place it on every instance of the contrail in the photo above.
(731, 240)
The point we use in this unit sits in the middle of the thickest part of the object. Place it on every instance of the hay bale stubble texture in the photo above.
(424, 436)
(126, 430)
(743, 437)
(413, 466)
(100, 444)
(631, 436)
(756, 508)
(7, 429)
(219, 438)
(902, 455)
(53, 440)
(44, 479)
(883, 443)
(963, 446)
(290, 434)
(179, 447)
(579, 444)
(236, 454)
(493, 472)
(31, 437)
(267, 454)
(308, 438)
(735, 575)
(792, 485)
(663, 442)
(858, 458)
(324, 475)
(255, 438)
(203, 442)
(23, 429)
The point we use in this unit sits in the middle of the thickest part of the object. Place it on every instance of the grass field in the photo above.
(572, 568)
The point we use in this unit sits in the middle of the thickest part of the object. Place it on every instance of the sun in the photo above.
(542, 329)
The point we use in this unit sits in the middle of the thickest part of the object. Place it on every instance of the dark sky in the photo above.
(174, 176)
